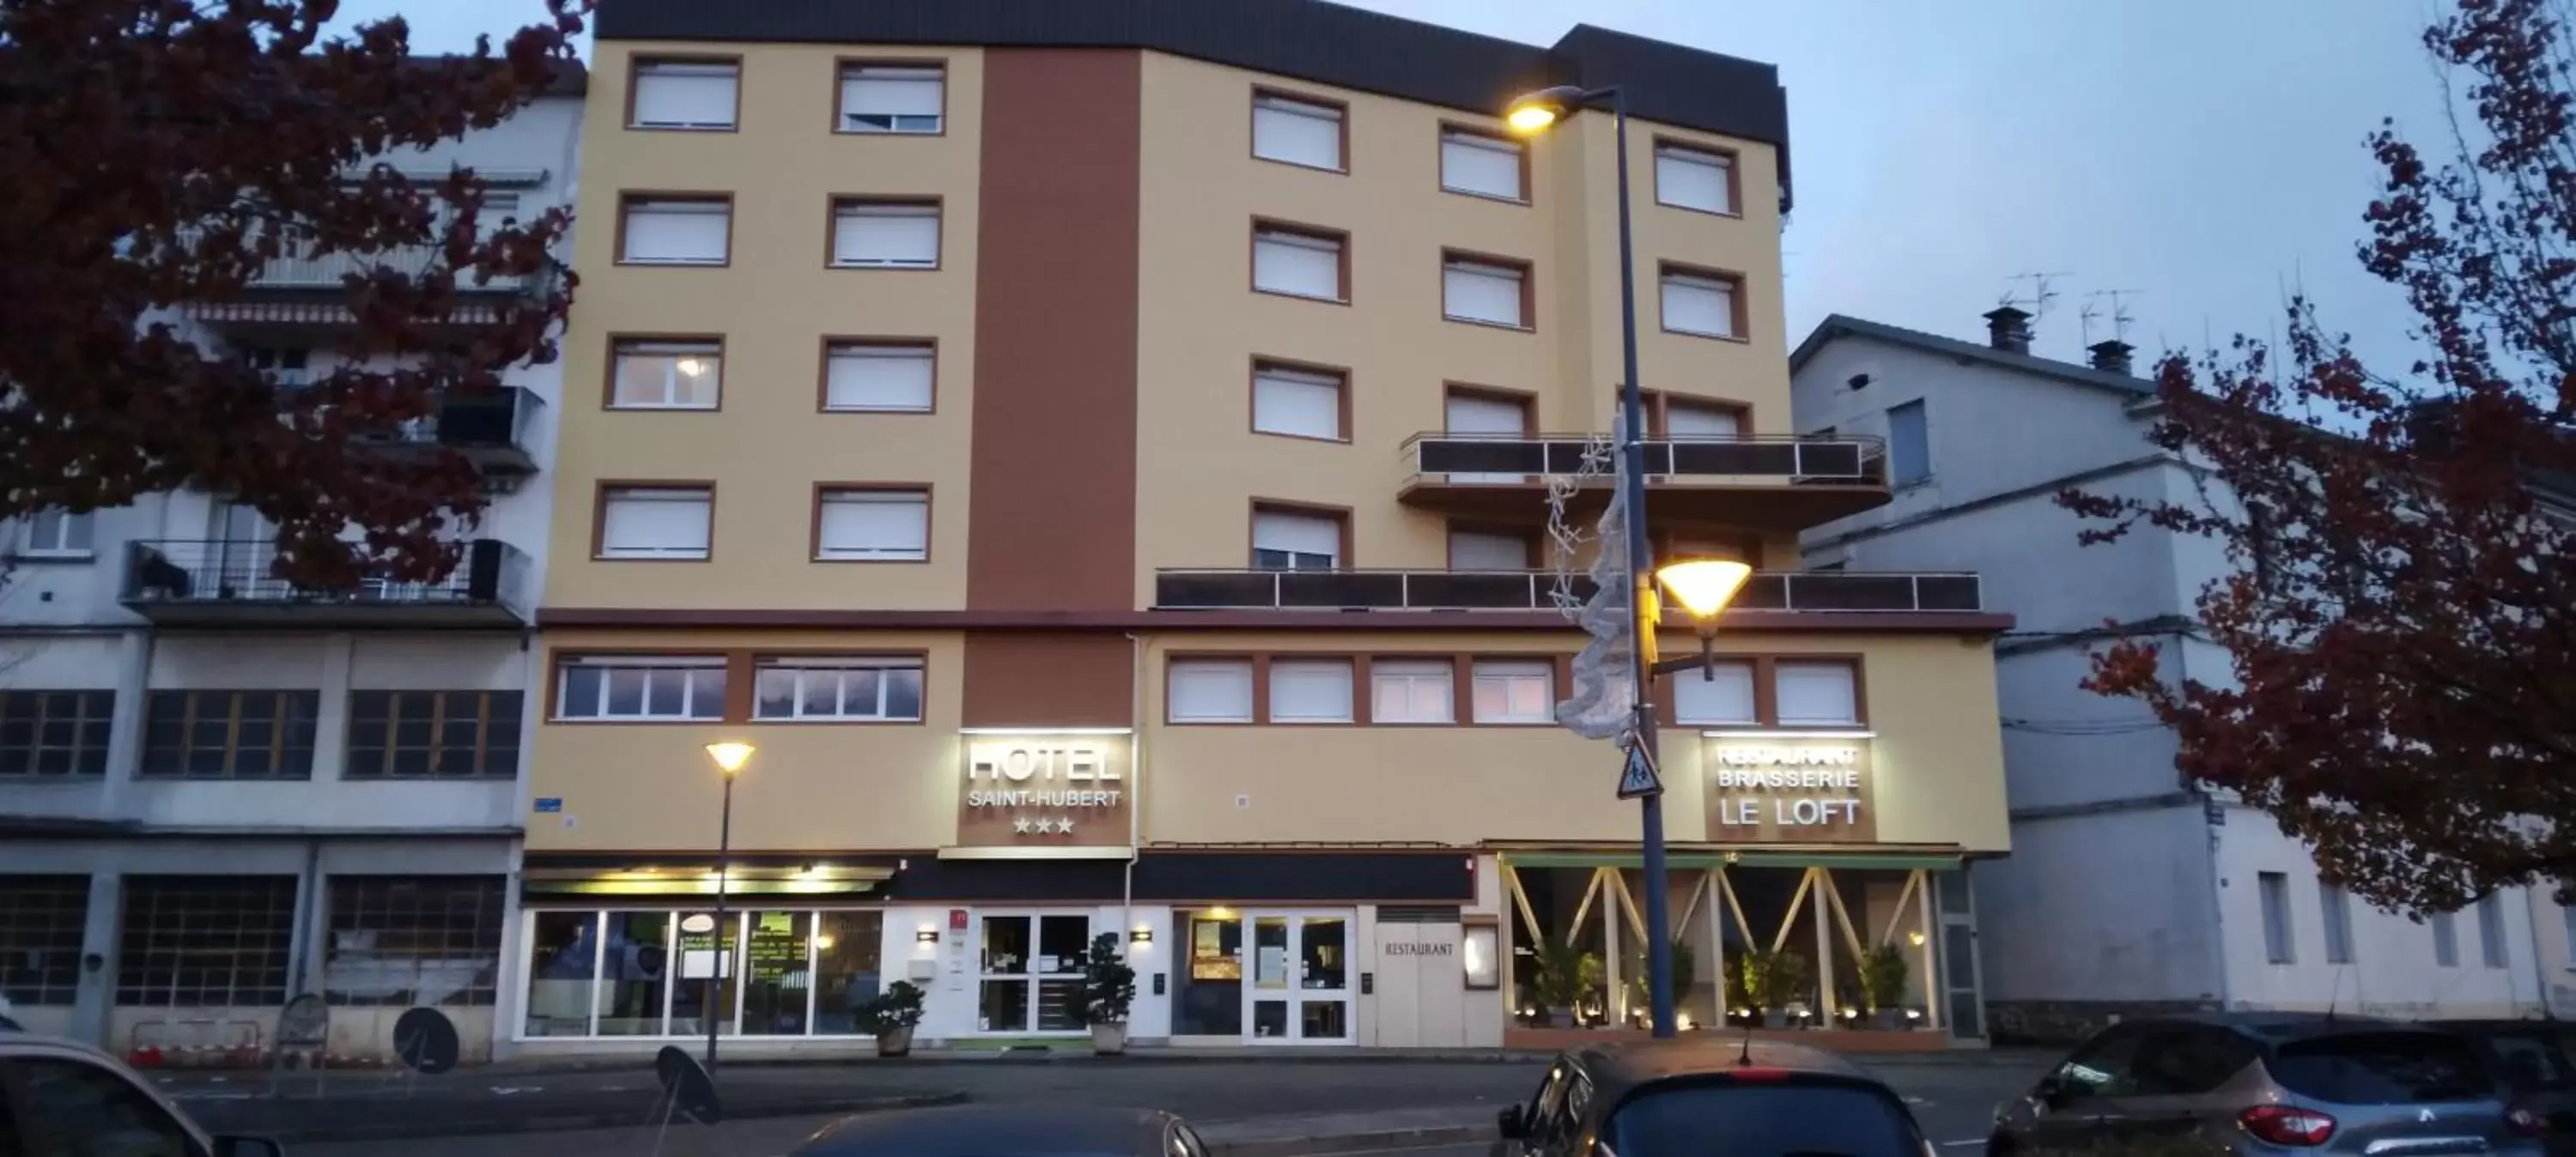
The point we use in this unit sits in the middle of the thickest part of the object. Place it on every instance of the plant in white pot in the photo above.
(1108, 991)
(890, 1016)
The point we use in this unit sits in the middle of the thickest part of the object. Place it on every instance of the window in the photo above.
(1720, 694)
(640, 687)
(2492, 950)
(670, 522)
(56, 533)
(2567, 917)
(229, 734)
(1688, 178)
(1411, 691)
(1817, 693)
(666, 375)
(205, 941)
(1480, 165)
(892, 98)
(434, 734)
(1310, 691)
(853, 525)
(1485, 550)
(885, 235)
(1700, 303)
(658, 231)
(1909, 445)
(42, 919)
(862, 688)
(1300, 403)
(2446, 940)
(1515, 692)
(879, 377)
(1300, 132)
(1298, 263)
(75, 1107)
(1211, 691)
(2394, 1066)
(414, 941)
(1293, 540)
(685, 94)
(1701, 420)
(1482, 291)
(2337, 910)
(2273, 889)
(55, 733)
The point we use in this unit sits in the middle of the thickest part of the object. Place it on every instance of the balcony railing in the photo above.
(329, 270)
(494, 430)
(1470, 459)
(1514, 590)
(212, 581)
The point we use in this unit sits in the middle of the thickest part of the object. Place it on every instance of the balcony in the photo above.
(492, 431)
(1771, 482)
(1515, 590)
(293, 298)
(212, 583)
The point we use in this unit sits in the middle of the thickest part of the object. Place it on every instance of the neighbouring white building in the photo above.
(218, 791)
(2128, 890)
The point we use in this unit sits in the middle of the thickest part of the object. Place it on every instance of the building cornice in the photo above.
(1764, 622)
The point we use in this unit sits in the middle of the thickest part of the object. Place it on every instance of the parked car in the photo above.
(60, 1097)
(2256, 1083)
(1708, 1094)
(1006, 1131)
(2534, 1059)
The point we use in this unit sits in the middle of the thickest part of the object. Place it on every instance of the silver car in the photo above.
(61, 1097)
(2266, 1084)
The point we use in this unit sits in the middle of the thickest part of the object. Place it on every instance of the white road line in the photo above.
(1969, 1141)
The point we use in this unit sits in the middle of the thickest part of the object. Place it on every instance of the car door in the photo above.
(1542, 1117)
(2170, 1082)
(2064, 1111)
(66, 1106)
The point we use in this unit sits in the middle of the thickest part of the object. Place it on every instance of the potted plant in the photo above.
(1108, 991)
(1771, 981)
(890, 1016)
(1641, 994)
(1559, 983)
(1882, 983)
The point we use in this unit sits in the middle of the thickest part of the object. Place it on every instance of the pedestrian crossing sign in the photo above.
(1639, 778)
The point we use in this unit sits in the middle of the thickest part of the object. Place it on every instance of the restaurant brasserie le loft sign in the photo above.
(1790, 790)
(1069, 789)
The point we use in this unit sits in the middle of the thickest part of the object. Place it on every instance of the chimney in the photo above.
(2111, 357)
(2008, 329)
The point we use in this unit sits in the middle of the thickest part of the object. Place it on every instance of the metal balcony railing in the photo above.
(328, 271)
(1470, 459)
(202, 572)
(1515, 590)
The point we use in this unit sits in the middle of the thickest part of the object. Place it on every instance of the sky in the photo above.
(2203, 155)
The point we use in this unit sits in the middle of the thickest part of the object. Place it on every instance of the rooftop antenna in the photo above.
(2041, 293)
(2121, 318)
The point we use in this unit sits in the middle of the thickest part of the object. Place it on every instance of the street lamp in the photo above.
(729, 755)
(1703, 586)
(1535, 113)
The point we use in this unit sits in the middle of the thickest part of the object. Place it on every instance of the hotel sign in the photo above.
(1804, 790)
(1044, 791)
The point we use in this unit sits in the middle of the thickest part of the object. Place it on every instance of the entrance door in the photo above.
(1029, 972)
(1298, 978)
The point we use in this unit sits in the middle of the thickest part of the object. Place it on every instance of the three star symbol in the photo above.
(1022, 825)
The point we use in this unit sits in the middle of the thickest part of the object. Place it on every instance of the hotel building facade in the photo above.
(1102, 462)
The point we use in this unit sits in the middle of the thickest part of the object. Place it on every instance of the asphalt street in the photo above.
(1953, 1101)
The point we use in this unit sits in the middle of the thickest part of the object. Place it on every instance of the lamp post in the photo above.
(1529, 115)
(729, 757)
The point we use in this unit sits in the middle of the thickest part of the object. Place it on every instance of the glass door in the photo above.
(1299, 987)
(1031, 973)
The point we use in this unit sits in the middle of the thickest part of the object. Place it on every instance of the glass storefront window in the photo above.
(562, 960)
(1063, 943)
(635, 974)
(847, 948)
(1003, 997)
(705, 959)
(1021, 989)
(776, 978)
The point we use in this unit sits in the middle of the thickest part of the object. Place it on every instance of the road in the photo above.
(1953, 1101)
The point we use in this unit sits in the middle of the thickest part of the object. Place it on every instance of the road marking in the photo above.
(1969, 1141)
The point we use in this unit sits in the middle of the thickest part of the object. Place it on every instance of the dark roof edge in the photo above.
(1307, 39)
(1839, 326)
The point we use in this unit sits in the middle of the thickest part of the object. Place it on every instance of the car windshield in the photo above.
(2382, 1068)
(1764, 1119)
(2530, 1060)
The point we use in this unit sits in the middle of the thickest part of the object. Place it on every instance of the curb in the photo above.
(485, 1126)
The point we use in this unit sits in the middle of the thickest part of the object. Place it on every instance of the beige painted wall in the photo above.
(768, 446)
(1931, 703)
(1201, 466)
(648, 786)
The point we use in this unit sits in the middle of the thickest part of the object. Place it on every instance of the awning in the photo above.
(1854, 860)
(817, 881)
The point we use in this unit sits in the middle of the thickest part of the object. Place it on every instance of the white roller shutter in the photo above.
(1210, 691)
(882, 525)
(1297, 132)
(1816, 693)
(1691, 179)
(1701, 305)
(655, 523)
(1286, 401)
(677, 232)
(1473, 550)
(899, 235)
(1722, 695)
(1306, 536)
(896, 378)
(1477, 292)
(1310, 691)
(683, 95)
(1685, 420)
(1481, 165)
(1296, 263)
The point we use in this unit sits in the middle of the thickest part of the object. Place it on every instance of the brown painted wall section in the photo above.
(1049, 680)
(1052, 504)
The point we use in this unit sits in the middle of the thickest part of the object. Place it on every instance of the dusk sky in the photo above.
(2204, 153)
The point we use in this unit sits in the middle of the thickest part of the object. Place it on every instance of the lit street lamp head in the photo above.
(1704, 586)
(730, 756)
(1536, 112)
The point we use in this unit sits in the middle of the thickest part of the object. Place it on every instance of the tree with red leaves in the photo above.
(2399, 612)
(159, 152)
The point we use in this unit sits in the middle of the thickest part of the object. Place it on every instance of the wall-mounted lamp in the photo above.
(1141, 936)
(1479, 952)
(926, 936)
(1914, 938)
